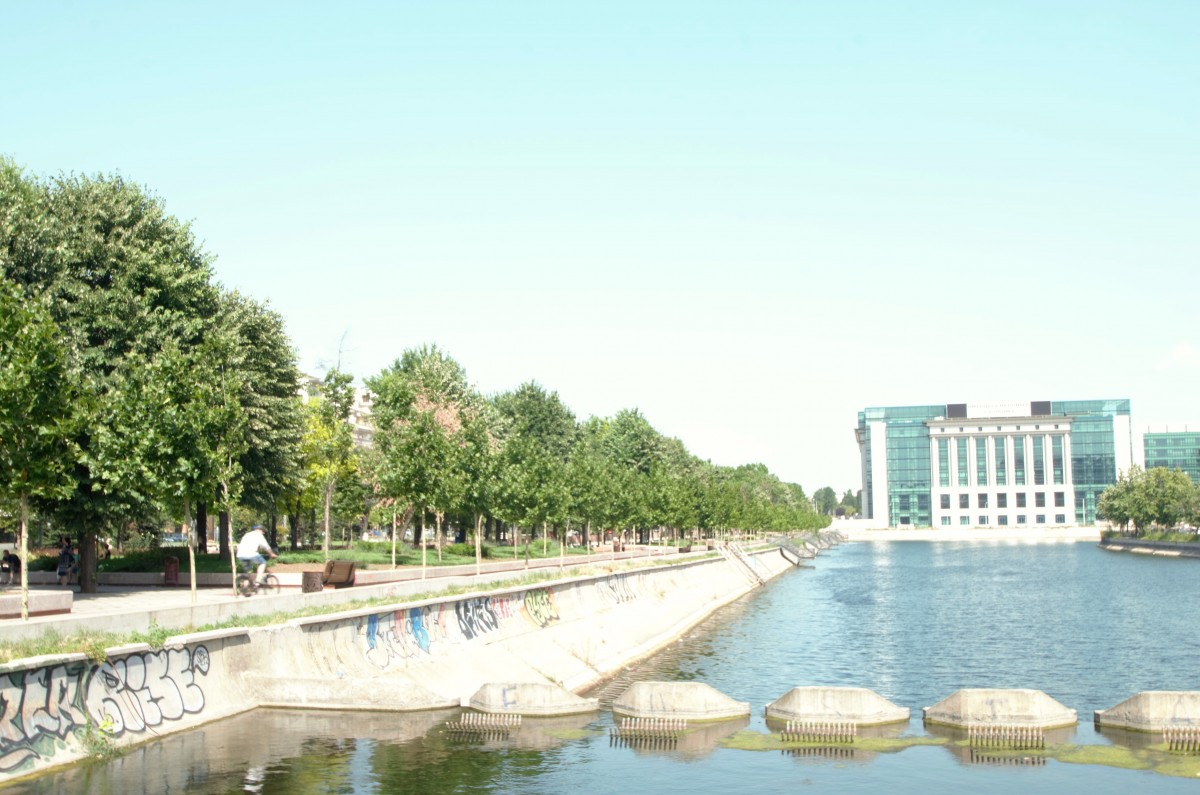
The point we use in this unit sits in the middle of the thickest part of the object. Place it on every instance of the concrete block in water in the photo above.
(836, 705)
(1153, 711)
(989, 706)
(530, 698)
(688, 700)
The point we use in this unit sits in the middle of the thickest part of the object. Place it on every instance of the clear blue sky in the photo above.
(750, 220)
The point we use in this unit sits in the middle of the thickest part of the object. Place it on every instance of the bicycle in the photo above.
(247, 584)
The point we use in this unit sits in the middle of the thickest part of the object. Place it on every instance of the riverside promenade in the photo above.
(125, 604)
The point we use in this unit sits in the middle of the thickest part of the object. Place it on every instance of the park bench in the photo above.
(338, 573)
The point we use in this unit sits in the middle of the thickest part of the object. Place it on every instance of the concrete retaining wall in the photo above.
(1139, 546)
(421, 655)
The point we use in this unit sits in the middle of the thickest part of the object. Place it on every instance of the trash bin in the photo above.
(310, 582)
(171, 570)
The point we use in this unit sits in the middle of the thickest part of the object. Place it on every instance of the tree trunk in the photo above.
(272, 532)
(294, 530)
(328, 502)
(202, 525)
(437, 536)
(478, 549)
(423, 543)
(24, 555)
(87, 559)
(223, 536)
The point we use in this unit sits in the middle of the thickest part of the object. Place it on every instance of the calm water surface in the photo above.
(912, 621)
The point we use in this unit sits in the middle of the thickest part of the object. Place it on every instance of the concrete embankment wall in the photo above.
(420, 655)
(1139, 546)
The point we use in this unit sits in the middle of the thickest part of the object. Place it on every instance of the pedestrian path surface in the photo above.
(129, 608)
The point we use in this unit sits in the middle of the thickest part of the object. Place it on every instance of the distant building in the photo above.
(1173, 449)
(992, 464)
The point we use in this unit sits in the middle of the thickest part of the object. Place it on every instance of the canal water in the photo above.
(912, 621)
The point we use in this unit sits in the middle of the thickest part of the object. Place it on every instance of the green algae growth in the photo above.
(1155, 758)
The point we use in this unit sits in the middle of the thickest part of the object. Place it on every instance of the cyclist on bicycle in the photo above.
(249, 553)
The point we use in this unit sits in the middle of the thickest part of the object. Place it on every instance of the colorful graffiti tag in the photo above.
(540, 607)
(42, 707)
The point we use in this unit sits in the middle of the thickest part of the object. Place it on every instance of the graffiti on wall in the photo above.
(540, 607)
(41, 707)
(476, 617)
(398, 636)
(616, 589)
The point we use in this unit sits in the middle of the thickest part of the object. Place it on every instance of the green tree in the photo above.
(329, 441)
(264, 363)
(123, 281)
(36, 399)
(421, 405)
(825, 500)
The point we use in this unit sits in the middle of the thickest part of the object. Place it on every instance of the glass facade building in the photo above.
(1173, 450)
(986, 464)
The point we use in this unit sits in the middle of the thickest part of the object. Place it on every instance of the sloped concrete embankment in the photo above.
(414, 656)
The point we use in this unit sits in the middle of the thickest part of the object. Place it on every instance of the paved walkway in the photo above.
(126, 608)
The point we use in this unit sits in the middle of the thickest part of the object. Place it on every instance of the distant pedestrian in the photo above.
(66, 563)
(10, 567)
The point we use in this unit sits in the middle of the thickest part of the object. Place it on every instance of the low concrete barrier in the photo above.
(856, 705)
(41, 603)
(1153, 711)
(973, 707)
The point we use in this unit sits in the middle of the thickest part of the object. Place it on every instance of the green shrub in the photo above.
(465, 550)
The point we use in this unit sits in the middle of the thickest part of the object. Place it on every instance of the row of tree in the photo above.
(521, 457)
(1152, 498)
(135, 388)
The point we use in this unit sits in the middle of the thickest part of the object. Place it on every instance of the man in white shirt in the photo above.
(250, 549)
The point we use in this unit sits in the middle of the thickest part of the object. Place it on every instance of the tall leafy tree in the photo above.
(329, 442)
(422, 403)
(36, 412)
(123, 280)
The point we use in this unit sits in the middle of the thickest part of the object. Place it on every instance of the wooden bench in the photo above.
(338, 573)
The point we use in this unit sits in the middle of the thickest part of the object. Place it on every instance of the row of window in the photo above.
(1039, 500)
(1037, 472)
(1059, 518)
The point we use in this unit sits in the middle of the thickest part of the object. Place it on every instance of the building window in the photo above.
(1021, 499)
(961, 444)
(945, 502)
(964, 520)
(1060, 499)
(981, 478)
(983, 521)
(964, 501)
(1060, 518)
(1039, 460)
(945, 520)
(1001, 500)
(1019, 460)
(1040, 518)
(1003, 520)
(983, 501)
(1001, 461)
(944, 462)
(1039, 500)
(1056, 459)
(1021, 519)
